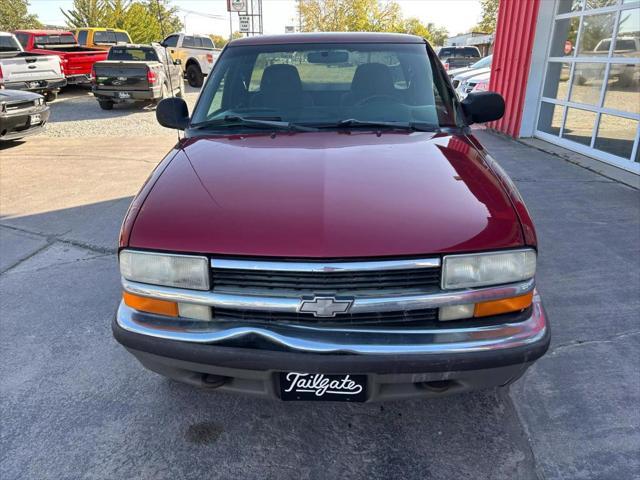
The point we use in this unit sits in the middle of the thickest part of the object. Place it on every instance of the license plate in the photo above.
(321, 387)
(34, 84)
(124, 95)
(35, 119)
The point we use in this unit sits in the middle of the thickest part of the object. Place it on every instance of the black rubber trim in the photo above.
(264, 360)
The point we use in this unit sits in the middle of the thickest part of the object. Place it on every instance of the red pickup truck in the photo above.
(329, 228)
(76, 60)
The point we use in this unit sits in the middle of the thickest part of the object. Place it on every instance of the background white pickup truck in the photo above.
(20, 70)
(197, 53)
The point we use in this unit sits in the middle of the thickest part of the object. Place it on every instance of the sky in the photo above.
(457, 16)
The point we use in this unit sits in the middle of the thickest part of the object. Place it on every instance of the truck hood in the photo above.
(327, 195)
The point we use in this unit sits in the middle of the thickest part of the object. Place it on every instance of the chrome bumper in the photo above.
(291, 304)
(314, 339)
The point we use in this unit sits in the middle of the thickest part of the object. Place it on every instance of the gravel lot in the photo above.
(76, 113)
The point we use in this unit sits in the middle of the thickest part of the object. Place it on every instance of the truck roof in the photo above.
(101, 29)
(328, 37)
(45, 32)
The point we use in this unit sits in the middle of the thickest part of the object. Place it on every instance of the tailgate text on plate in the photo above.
(318, 386)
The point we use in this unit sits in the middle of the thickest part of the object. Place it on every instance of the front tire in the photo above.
(50, 96)
(194, 75)
(105, 104)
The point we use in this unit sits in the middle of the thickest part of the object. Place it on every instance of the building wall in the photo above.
(514, 40)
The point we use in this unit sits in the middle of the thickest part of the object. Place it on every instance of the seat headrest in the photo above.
(372, 79)
(280, 78)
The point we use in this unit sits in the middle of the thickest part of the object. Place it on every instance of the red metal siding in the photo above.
(511, 59)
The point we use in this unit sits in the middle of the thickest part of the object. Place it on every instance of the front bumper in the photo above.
(398, 363)
(51, 85)
(18, 125)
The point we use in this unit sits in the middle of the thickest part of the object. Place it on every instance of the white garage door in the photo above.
(591, 96)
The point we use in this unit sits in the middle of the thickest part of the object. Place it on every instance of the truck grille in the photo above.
(409, 318)
(17, 106)
(354, 282)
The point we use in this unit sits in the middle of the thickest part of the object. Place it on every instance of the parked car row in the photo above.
(79, 50)
(473, 78)
(118, 71)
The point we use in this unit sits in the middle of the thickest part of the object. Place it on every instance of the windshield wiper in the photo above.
(354, 122)
(230, 121)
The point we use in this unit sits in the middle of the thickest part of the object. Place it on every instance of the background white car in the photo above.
(460, 74)
(477, 83)
(197, 54)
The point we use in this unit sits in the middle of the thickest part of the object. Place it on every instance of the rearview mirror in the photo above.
(480, 107)
(173, 113)
(329, 56)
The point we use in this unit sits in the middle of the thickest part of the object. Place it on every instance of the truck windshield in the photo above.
(8, 44)
(327, 84)
(110, 37)
(64, 39)
(143, 54)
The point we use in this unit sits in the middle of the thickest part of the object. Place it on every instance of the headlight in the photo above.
(481, 269)
(182, 271)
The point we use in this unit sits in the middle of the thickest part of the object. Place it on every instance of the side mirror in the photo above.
(480, 107)
(177, 61)
(173, 113)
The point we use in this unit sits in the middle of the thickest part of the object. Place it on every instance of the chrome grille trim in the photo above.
(360, 305)
(325, 267)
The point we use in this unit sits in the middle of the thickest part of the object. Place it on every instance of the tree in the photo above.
(363, 16)
(220, 41)
(350, 16)
(413, 26)
(166, 16)
(117, 11)
(438, 34)
(14, 15)
(86, 13)
(489, 16)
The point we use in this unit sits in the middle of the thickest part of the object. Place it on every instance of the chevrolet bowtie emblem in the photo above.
(325, 306)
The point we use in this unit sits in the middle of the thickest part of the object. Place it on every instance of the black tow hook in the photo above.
(213, 381)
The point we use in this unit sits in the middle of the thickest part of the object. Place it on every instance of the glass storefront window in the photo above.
(550, 119)
(591, 90)
(600, 3)
(587, 83)
(628, 39)
(616, 135)
(566, 6)
(623, 89)
(564, 37)
(595, 38)
(557, 81)
(578, 127)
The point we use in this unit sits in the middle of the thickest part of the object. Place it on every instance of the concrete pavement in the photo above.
(74, 404)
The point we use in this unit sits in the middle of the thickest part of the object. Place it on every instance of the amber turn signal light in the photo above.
(506, 305)
(150, 305)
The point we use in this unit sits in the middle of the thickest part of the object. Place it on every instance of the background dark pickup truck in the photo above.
(458, 57)
(136, 73)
